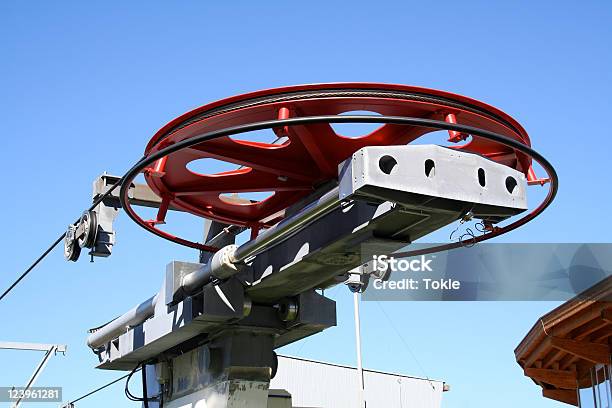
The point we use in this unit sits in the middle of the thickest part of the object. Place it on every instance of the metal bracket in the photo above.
(49, 349)
(95, 228)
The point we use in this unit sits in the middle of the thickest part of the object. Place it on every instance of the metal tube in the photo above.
(197, 279)
(217, 264)
(361, 391)
(222, 263)
(286, 228)
(114, 329)
(36, 373)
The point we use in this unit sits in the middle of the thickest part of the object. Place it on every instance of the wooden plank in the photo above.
(556, 378)
(606, 315)
(593, 352)
(567, 396)
(601, 334)
(585, 330)
(553, 358)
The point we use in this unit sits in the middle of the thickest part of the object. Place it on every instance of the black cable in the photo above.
(60, 238)
(36, 262)
(397, 120)
(98, 389)
(95, 329)
(145, 394)
(126, 389)
(421, 122)
(145, 398)
(357, 92)
(129, 395)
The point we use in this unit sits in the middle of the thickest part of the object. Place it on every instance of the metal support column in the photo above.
(232, 371)
(358, 349)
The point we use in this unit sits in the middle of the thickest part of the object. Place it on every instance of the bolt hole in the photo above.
(430, 168)
(387, 164)
(481, 177)
(511, 184)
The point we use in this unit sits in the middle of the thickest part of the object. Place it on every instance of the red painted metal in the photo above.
(532, 178)
(161, 212)
(454, 136)
(309, 154)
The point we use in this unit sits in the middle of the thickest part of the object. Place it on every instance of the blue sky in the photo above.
(84, 85)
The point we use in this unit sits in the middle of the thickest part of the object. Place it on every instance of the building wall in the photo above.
(320, 385)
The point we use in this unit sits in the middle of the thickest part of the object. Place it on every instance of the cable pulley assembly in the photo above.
(309, 150)
(320, 206)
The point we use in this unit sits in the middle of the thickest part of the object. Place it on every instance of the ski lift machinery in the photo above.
(207, 338)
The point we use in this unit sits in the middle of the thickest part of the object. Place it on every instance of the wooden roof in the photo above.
(563, 345)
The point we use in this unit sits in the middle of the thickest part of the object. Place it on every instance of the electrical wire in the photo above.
(405, 344)
(126, 389)
(98, 389)
(145, 398)
(145, 394)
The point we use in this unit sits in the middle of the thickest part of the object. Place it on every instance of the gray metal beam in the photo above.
(9, 345)
(138, 194)
(49, 349)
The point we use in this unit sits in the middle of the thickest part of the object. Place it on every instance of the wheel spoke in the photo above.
(311, 156)
(320, 141)
(236, 183)
(390, 134)
(265, 157)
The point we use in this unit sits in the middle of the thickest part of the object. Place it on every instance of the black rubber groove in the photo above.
(398, 120)
(335, 93)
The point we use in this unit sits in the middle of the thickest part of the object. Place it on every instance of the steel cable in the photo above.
(420, 122)
(59, 239)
